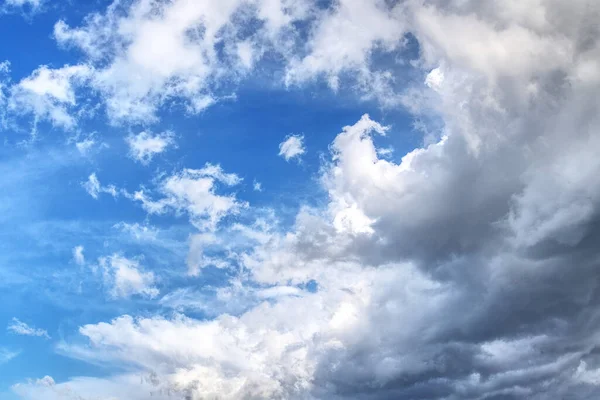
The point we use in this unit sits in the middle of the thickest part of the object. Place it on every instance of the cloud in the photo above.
(257, 186)
(31, 5)
(21, 328)
(173, 50)
(6, 355)
(144, 146)
(78, 256)
(292, 147)
(49, 94)
(85, 388)
(343, 39)
(193, 191)
(85, 145)
(139, 232)
(125, 277)
(94, 188)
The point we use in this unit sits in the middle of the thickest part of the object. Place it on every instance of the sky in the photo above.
(299, 199)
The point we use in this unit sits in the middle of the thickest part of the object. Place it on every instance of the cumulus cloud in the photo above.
(144, 146)
(126, 277)
(21, 328)
(292, 147)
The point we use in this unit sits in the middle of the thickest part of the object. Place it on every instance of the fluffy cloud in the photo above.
(194, 191)
(21, 328)
(144, 146)
(173, 49)
(125, 277)
(49, 94)
(292, 147)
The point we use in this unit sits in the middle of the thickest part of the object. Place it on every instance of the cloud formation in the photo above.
(467, 269)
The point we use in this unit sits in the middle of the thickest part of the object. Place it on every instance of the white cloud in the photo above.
(78, 256)
(139, 232)
(257, 186)
(126, 277)
(292, 147)
(49, 94)
(144, 146)
(34, 5)
(152, 53)
(21, 328)
(343, 39)
(194, 191)
(85, 145)
(94, 188)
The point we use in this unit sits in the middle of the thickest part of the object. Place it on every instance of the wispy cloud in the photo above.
(21, 328)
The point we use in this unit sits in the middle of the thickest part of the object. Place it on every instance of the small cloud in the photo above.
(78, 255)
(21, 328)
(85, 146)
(138, 231)
(385, 151)
(257, 186)
(292, 147)
(144, 146)
(127, 278)
(94, 188)
(6, 355)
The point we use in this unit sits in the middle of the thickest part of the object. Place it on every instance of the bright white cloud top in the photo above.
(439, 242)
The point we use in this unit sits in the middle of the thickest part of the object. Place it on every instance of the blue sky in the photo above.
(273, 199)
